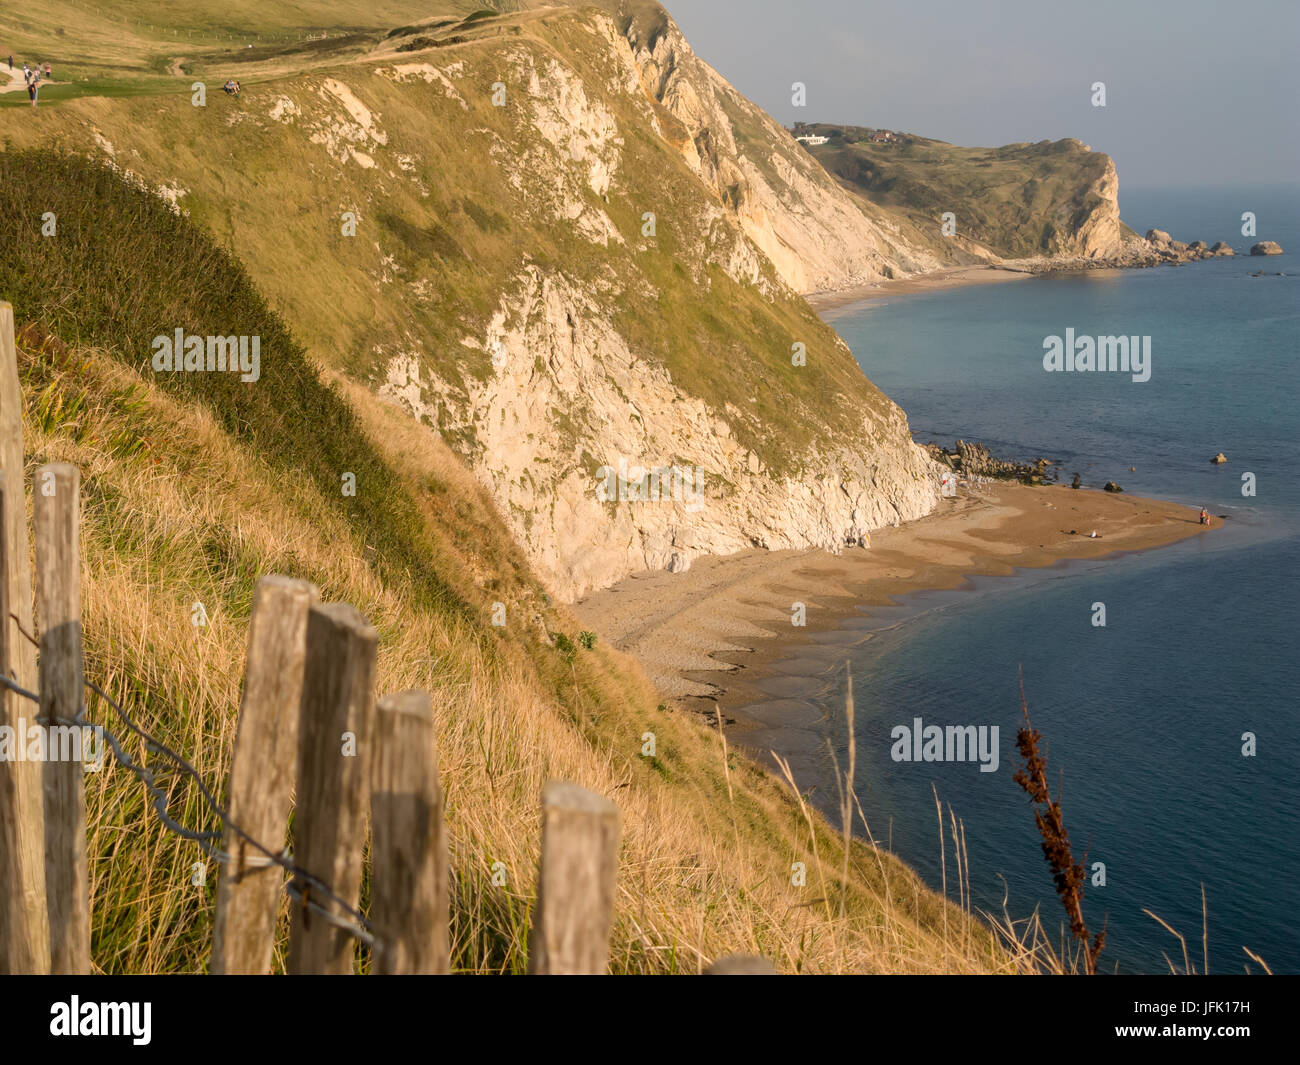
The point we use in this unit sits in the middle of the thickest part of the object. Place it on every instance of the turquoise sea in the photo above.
(1145, 716)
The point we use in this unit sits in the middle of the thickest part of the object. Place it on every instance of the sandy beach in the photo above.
(705, 635)
(956, 277)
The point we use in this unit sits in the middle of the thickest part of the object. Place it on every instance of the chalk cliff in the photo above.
(563, 241)
(816, 234)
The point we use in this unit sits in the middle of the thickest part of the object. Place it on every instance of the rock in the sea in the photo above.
(1266, 247)
(1222, 248)
(1219, 459)
(1198, 246)
(974, 460)
(1158, 236)
(1111, 486)
(1178, 246)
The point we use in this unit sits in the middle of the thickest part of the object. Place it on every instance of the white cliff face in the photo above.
(1101, 234)
(571, 424)
(579, 149)
(812, 230)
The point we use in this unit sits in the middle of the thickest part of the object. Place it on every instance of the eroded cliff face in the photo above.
(1098, 233)
(602, 462)
(603, 466)
(814, 233)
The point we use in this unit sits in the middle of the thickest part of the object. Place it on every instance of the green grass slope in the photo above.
(135, 47)
(1020, 200)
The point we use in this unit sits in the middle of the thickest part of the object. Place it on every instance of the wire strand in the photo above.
(301, 885)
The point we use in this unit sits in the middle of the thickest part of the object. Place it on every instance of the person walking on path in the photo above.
(11, 62)
(32, 90)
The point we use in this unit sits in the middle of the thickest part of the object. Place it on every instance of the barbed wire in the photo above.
(302, 885)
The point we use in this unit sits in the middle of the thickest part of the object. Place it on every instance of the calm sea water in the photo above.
(1145, 716)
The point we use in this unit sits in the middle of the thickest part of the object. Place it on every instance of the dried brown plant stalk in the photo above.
(1067, 874)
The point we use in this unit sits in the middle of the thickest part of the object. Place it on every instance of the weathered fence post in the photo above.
(24, 926)
(263, 770)
(17, 949)
(575, 882)
(58, 595)
(409, 883)
(338, 702)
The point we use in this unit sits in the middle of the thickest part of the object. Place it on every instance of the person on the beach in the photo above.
(1205, 517)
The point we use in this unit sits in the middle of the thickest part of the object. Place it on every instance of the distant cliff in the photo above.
(1056, 199)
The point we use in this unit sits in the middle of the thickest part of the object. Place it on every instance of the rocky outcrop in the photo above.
(1159, 247)
(1266, 247)
(1098, 232)
(975, 461)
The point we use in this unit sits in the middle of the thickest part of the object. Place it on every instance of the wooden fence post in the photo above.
(338, 702)
(58, 592)
(263, 770)
(409, 880)
(17, 949)
(575, 882)
(24, 925)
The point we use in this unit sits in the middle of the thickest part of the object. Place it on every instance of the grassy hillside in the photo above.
(449, 215)
(1018, 201)
(129, 32)
(195, 484)
(135, 47)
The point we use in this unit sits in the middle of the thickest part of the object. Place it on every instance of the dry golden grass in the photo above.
(176, 513)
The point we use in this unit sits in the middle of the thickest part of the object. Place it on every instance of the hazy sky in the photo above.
(1198, 92)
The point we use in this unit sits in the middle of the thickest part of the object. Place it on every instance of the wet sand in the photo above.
(707, 636)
